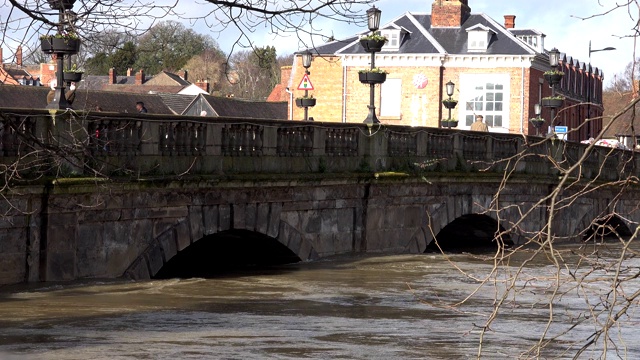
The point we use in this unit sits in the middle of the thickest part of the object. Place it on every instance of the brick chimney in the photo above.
(129, 71)
(47, 72)
(509, 21)
(140, 77)
(112, 76)
(183, 74)
(449, 13)
(203, 84)
(19, 56)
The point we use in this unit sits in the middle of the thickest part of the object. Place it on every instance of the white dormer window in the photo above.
(478, 38)
(536, 42)
(393, 35)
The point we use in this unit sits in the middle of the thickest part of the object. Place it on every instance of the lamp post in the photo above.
(450, 86)
(306, 63)
(59, 101)
(608, 48)
(373, 21)
(537, 121)
(70, 19)
(554, 59)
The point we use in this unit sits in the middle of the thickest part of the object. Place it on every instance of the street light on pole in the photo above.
(588, 120)
(373, 21)
(554, 59)
(306, 63)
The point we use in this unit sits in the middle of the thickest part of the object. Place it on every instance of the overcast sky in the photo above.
(559, 20)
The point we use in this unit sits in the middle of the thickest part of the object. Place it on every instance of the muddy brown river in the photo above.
(374, 307)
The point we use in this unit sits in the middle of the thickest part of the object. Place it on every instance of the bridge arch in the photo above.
(608, 226)
(258, 223)
(470, 233)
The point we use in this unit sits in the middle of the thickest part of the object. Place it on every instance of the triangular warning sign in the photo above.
(305, 84)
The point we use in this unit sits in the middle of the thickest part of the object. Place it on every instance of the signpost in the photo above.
(305, 84)
(561, 131)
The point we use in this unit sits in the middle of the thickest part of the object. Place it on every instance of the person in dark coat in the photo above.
(141, 108)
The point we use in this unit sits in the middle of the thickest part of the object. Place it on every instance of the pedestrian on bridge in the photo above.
(479, 124)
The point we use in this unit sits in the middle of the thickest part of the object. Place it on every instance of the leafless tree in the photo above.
(23, 21)
(598, 273)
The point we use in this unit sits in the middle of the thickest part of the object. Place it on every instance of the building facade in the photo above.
(497, 71)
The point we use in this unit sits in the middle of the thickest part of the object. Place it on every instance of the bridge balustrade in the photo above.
(242, 139)
(474, 147)
(14, 132)
(295, 141)
(341, 142)
(440, 145)
(218, 145)
(402, 144)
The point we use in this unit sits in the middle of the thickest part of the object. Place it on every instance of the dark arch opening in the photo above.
(607, 228)
(227, 252)
(470, 233)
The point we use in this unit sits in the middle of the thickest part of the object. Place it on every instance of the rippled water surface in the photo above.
(384, 307)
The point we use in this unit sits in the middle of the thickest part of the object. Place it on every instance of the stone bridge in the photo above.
(94, 195)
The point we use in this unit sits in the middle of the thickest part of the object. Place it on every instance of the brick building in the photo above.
(498, 72)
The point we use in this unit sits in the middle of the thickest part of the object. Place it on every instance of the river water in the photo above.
(374, 307)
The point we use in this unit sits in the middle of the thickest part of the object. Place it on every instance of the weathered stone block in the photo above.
(196, 222)
(167, 242)
(224, 212)
(183, 236)
(210, 219)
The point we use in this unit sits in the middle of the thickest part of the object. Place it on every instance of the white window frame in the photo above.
(473, 92)
(394, 37)
(391, 99)
(478, 40)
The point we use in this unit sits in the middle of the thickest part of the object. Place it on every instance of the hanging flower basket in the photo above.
(372, 77)
(60, 45)
(536, 122)
(449, 104)
(61, 4)
(449, 123)
(305, 102)
(72, 76)
(552, 102)
(553, 79)
(372, 45)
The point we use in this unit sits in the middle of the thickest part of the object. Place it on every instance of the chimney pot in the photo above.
(19, 56)
(509, 21)
(112, 76)
(140, 77)
(449, 13)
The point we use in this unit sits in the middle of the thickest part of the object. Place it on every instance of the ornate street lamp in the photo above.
(537, 121)
(450, 103)
(554, 59)
(373, 21)
(608, 48)
(373, 18)
(306, 63)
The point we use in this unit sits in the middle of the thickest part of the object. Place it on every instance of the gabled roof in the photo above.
(30, 97)
(230, 107)
(166, 78)
(626, 124)
(6, 78)
(176, 102)
(424, 39)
